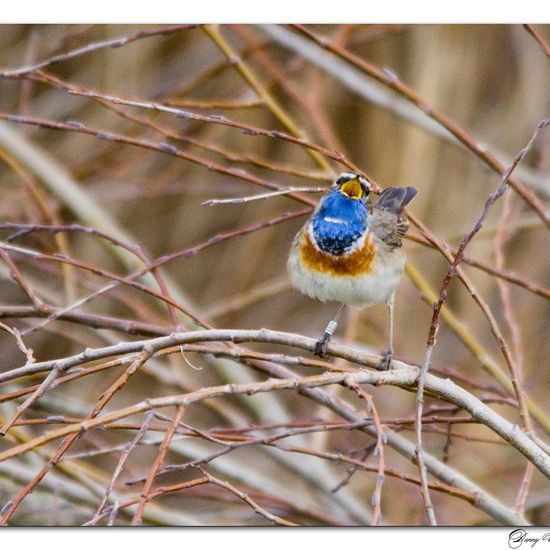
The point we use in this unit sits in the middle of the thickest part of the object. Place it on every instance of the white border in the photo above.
(290, 11)
(373, 538)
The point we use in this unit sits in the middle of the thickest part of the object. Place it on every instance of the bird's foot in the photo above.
(321, 345)
(386, 363)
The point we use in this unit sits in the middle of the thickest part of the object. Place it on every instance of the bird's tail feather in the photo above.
(394, 199)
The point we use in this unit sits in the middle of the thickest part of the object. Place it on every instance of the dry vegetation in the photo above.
(136, 384)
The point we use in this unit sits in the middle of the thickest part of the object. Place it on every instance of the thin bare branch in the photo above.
(434, 327)
(112, 43)
(120, 464)
(136, 520)
(539, 39)
(262, 196)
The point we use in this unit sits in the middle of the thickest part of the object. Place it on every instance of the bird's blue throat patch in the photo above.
(339, 223)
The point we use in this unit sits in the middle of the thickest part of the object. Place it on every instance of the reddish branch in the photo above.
(136, 520)
(130, 279)
(540, 40)
(162, 147)
(390, 80)
(112, 43)
(434, 326)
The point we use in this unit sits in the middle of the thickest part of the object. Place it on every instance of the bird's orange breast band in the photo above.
(359, 262)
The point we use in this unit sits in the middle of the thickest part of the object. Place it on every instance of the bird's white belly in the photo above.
(358, 291)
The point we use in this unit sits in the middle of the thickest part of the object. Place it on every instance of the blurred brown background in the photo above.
(492, 80)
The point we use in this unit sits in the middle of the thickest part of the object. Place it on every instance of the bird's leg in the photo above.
(322, 343)
(386, 362)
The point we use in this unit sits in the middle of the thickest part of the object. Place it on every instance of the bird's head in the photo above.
(353, 186)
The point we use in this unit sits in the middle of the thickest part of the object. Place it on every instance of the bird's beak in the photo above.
(352, 189)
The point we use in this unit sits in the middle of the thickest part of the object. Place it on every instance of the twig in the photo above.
(404, 375)
(115, 281)
(136, 520)
(246, 129)
(165, 148)
(216, 103)
(49, 213)
(113, 513)
(71, 438)
(229, 444)
(456, 269)
(118, 469)
(315, 115)
(130, 279)
(540, 40)
(112, 43)
(128, 326)
(243, 496)
(513, 327)
(472, 343)
(39, 392)
(356, 464)
(26, 351)
(376, 499)
(108, 512)
(56, 229)
(60, 182)
(419, 452)
(389, 79)
(110, 102)
(232, 156)
(491, 270)
(17, 276)
(523, 492)
(242, 200)
(367, 451)
(434, 327)
(235, 442)
(271, 103)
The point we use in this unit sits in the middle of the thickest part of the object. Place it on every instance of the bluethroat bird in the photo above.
(348, 254)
